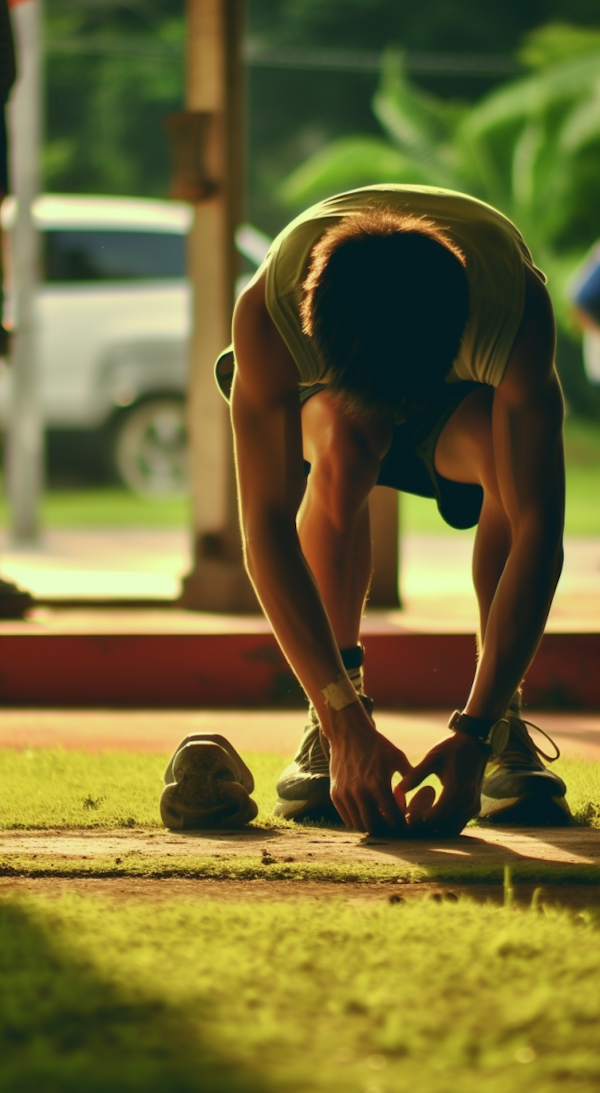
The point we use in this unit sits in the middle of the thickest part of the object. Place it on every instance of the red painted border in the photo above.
(249, 670)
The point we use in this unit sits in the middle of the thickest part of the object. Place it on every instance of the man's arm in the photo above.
(270, 471)
(528, 454)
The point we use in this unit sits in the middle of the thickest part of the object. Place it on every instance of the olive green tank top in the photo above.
(495, 251)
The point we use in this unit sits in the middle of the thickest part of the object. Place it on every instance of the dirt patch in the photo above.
(479, 846)
(576, 897)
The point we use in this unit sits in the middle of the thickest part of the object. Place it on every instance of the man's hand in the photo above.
(459, 762)
(362, 764)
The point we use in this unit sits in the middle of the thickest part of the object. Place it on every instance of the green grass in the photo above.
(211, 997)
(56, 788)
(112, 507)
(254, 866)
(106, 506)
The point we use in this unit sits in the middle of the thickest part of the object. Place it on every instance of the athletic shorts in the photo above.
(3, 152)
(409, 464)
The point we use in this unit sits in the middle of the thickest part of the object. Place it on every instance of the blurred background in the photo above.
(500, 102)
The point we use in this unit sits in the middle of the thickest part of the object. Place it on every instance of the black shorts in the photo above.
(409, 464)
(3, 152)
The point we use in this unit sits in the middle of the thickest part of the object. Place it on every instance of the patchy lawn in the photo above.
(207, 996)
(56, 788)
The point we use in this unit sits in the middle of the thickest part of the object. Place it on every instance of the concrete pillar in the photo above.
(218, 581)
(25, 435)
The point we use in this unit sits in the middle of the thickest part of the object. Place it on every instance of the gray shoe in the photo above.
(518, 788)
(303, 790)
(14, 601)
(207, 786)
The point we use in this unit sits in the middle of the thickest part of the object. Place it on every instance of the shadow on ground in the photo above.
(63, 1030)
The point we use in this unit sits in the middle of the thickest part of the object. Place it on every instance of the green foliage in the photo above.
(557, 42)
(359, 158)
(208, 995)
(112, 74)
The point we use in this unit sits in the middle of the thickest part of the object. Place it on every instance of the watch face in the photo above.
(498, 738)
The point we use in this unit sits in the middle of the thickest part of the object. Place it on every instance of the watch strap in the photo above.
(491, 732)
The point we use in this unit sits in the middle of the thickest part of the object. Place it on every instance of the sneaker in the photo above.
(208, 786)
(14, 601)
(518, 789)
(303, 790)
(5, 341)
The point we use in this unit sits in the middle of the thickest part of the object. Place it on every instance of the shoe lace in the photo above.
(521, 751)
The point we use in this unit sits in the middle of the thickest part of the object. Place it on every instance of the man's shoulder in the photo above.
(262, 359)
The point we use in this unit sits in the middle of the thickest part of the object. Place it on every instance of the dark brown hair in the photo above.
(385, 302)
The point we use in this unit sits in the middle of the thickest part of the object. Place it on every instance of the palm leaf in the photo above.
(521, 99)
(418, 124)
(582, 125)
(346, 164)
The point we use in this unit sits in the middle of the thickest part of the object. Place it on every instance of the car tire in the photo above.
(150, 448)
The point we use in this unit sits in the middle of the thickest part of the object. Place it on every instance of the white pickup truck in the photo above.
(114, 320)
(114, 313)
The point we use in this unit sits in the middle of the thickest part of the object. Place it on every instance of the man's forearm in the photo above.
(516, 620)
(292, 602)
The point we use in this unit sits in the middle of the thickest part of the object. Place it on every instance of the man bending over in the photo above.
(402, 336)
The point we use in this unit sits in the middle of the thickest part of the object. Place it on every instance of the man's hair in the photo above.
(385, 302)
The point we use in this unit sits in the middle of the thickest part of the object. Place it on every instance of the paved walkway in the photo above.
(435, 578)
(480, 846)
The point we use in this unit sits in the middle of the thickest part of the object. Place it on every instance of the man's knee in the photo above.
(465, 449)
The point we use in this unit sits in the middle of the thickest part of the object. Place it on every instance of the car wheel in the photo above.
(150, 450)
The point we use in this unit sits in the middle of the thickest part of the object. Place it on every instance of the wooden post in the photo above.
(218, 581)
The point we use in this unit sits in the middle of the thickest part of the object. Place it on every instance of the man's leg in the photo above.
(517, 787)
(345, 454)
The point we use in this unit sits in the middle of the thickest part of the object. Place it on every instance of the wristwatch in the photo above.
(494, 733)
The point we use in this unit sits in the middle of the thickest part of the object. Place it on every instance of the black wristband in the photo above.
(354, 657)
(472, 726)
(487, 729)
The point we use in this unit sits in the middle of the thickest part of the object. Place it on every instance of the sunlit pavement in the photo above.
(435, 573)
(101, 563)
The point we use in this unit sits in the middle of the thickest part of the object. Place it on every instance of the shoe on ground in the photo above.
(303, 790)
(14, 601)
(518, 788)
(5, 341)
(208, 786)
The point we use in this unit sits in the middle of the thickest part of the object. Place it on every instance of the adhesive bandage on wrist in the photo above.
(340, 693)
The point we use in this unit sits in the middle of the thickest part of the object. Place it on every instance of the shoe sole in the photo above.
(530, 810)
(314, 808)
